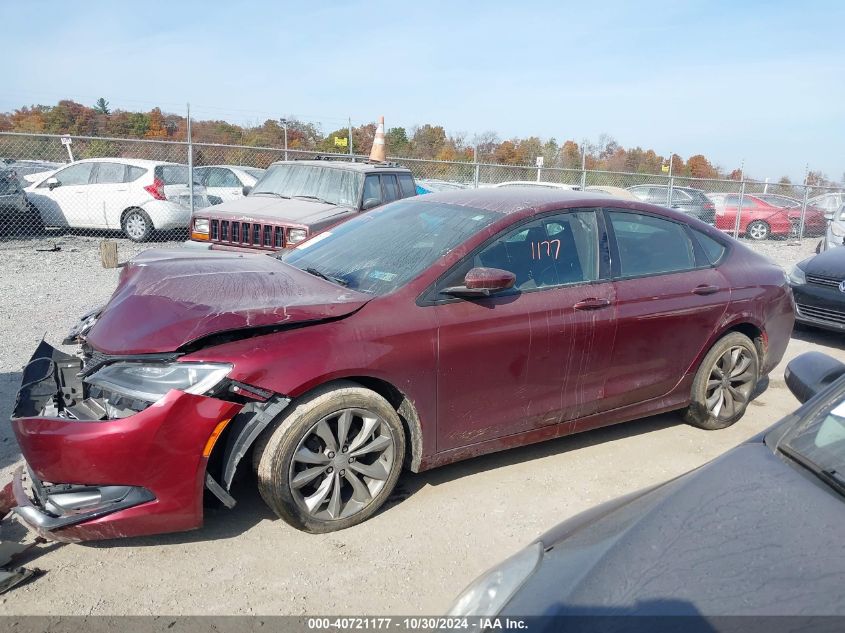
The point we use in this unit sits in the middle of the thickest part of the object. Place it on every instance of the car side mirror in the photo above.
(52, 183)
(246, 189)
(811, 373)
(370, 203)
(483, 282)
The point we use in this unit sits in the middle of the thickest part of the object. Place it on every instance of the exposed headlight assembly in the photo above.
(489, 593)
(151, 381)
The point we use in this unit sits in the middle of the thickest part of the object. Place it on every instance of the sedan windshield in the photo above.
(383, 249)
(326, 184)
(820, 445)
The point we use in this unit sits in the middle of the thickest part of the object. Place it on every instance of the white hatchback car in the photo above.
(137, 197)
(227, 182)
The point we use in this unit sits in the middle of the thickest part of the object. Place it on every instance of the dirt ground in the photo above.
(440, 530)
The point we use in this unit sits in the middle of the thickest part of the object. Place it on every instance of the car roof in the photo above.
(678, 187)
(230, 167)
(135, 162)
(533, 183)
(363, 167)
(507, 200)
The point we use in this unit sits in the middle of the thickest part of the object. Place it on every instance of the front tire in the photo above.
(137, 226)
(724, 383)
(758, 230)
(331, 460)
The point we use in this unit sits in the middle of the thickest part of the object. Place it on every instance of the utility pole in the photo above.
(741, 196)
(669, 188)
(284, 123)
(350, 135)
(583, 164)
(190, 164)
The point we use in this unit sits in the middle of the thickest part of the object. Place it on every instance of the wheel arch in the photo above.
(135, 207)
(744, 324)
(407, 413)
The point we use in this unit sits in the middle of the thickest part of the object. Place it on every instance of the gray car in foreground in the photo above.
(758, 531)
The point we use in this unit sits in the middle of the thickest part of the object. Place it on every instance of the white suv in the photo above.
(134, 196)
(227, 182)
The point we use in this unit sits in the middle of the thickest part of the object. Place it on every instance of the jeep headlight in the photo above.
(201, 225)
(151, 381)
(295, 236)
(487, 595)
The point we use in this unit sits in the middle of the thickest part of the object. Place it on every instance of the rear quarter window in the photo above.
(133, 173)
(407, 186)
(712, 248)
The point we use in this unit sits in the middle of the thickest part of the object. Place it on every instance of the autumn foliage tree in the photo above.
(426, 141)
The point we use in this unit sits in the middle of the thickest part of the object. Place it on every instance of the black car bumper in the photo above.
(820, 306)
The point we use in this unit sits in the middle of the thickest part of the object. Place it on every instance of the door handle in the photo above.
(705, 289)
(592, 304)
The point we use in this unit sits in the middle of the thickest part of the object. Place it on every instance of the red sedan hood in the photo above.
(167, 299)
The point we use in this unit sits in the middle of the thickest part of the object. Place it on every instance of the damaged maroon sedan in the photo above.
(431, 330)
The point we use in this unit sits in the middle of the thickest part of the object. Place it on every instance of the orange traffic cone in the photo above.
(377, 153)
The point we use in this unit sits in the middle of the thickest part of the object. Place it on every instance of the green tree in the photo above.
(102, 106)
(397, 142)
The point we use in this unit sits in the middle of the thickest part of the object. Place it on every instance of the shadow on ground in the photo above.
(817, 336)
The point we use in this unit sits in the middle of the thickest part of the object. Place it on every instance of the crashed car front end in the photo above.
(118, 446)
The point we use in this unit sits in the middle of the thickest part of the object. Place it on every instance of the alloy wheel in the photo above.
(758, 230)
(730, 383)
(341, 464)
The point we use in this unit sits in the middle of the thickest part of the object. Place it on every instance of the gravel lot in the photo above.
(441, 529)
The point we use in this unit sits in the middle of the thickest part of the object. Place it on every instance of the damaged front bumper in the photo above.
(94, 477)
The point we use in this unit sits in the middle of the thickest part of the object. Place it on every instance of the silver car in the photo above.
(835, 233)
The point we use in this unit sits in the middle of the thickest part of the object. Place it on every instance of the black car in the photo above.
(687, 200)
(757, 531)
(818, 285)
(17, 216)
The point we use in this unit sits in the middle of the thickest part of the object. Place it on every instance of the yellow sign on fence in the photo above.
(340, 142)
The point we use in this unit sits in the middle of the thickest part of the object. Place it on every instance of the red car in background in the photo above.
(815, 224)
(758, 220)
(430, 330)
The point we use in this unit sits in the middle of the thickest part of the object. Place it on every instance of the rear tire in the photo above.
(137, 226)
(332, 459)
(724, 383)
(758, 230)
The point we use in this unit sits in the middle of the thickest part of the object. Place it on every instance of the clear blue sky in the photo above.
(759, 81)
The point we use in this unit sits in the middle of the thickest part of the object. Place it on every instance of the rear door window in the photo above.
(649, 245)
(110, 173)
(372, 189)
(391, 188)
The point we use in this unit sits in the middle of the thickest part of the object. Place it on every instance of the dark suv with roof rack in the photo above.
(294, 200)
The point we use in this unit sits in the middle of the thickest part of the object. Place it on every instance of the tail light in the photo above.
(156, 190)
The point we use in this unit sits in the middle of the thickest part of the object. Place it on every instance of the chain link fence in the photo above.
(137, 189)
